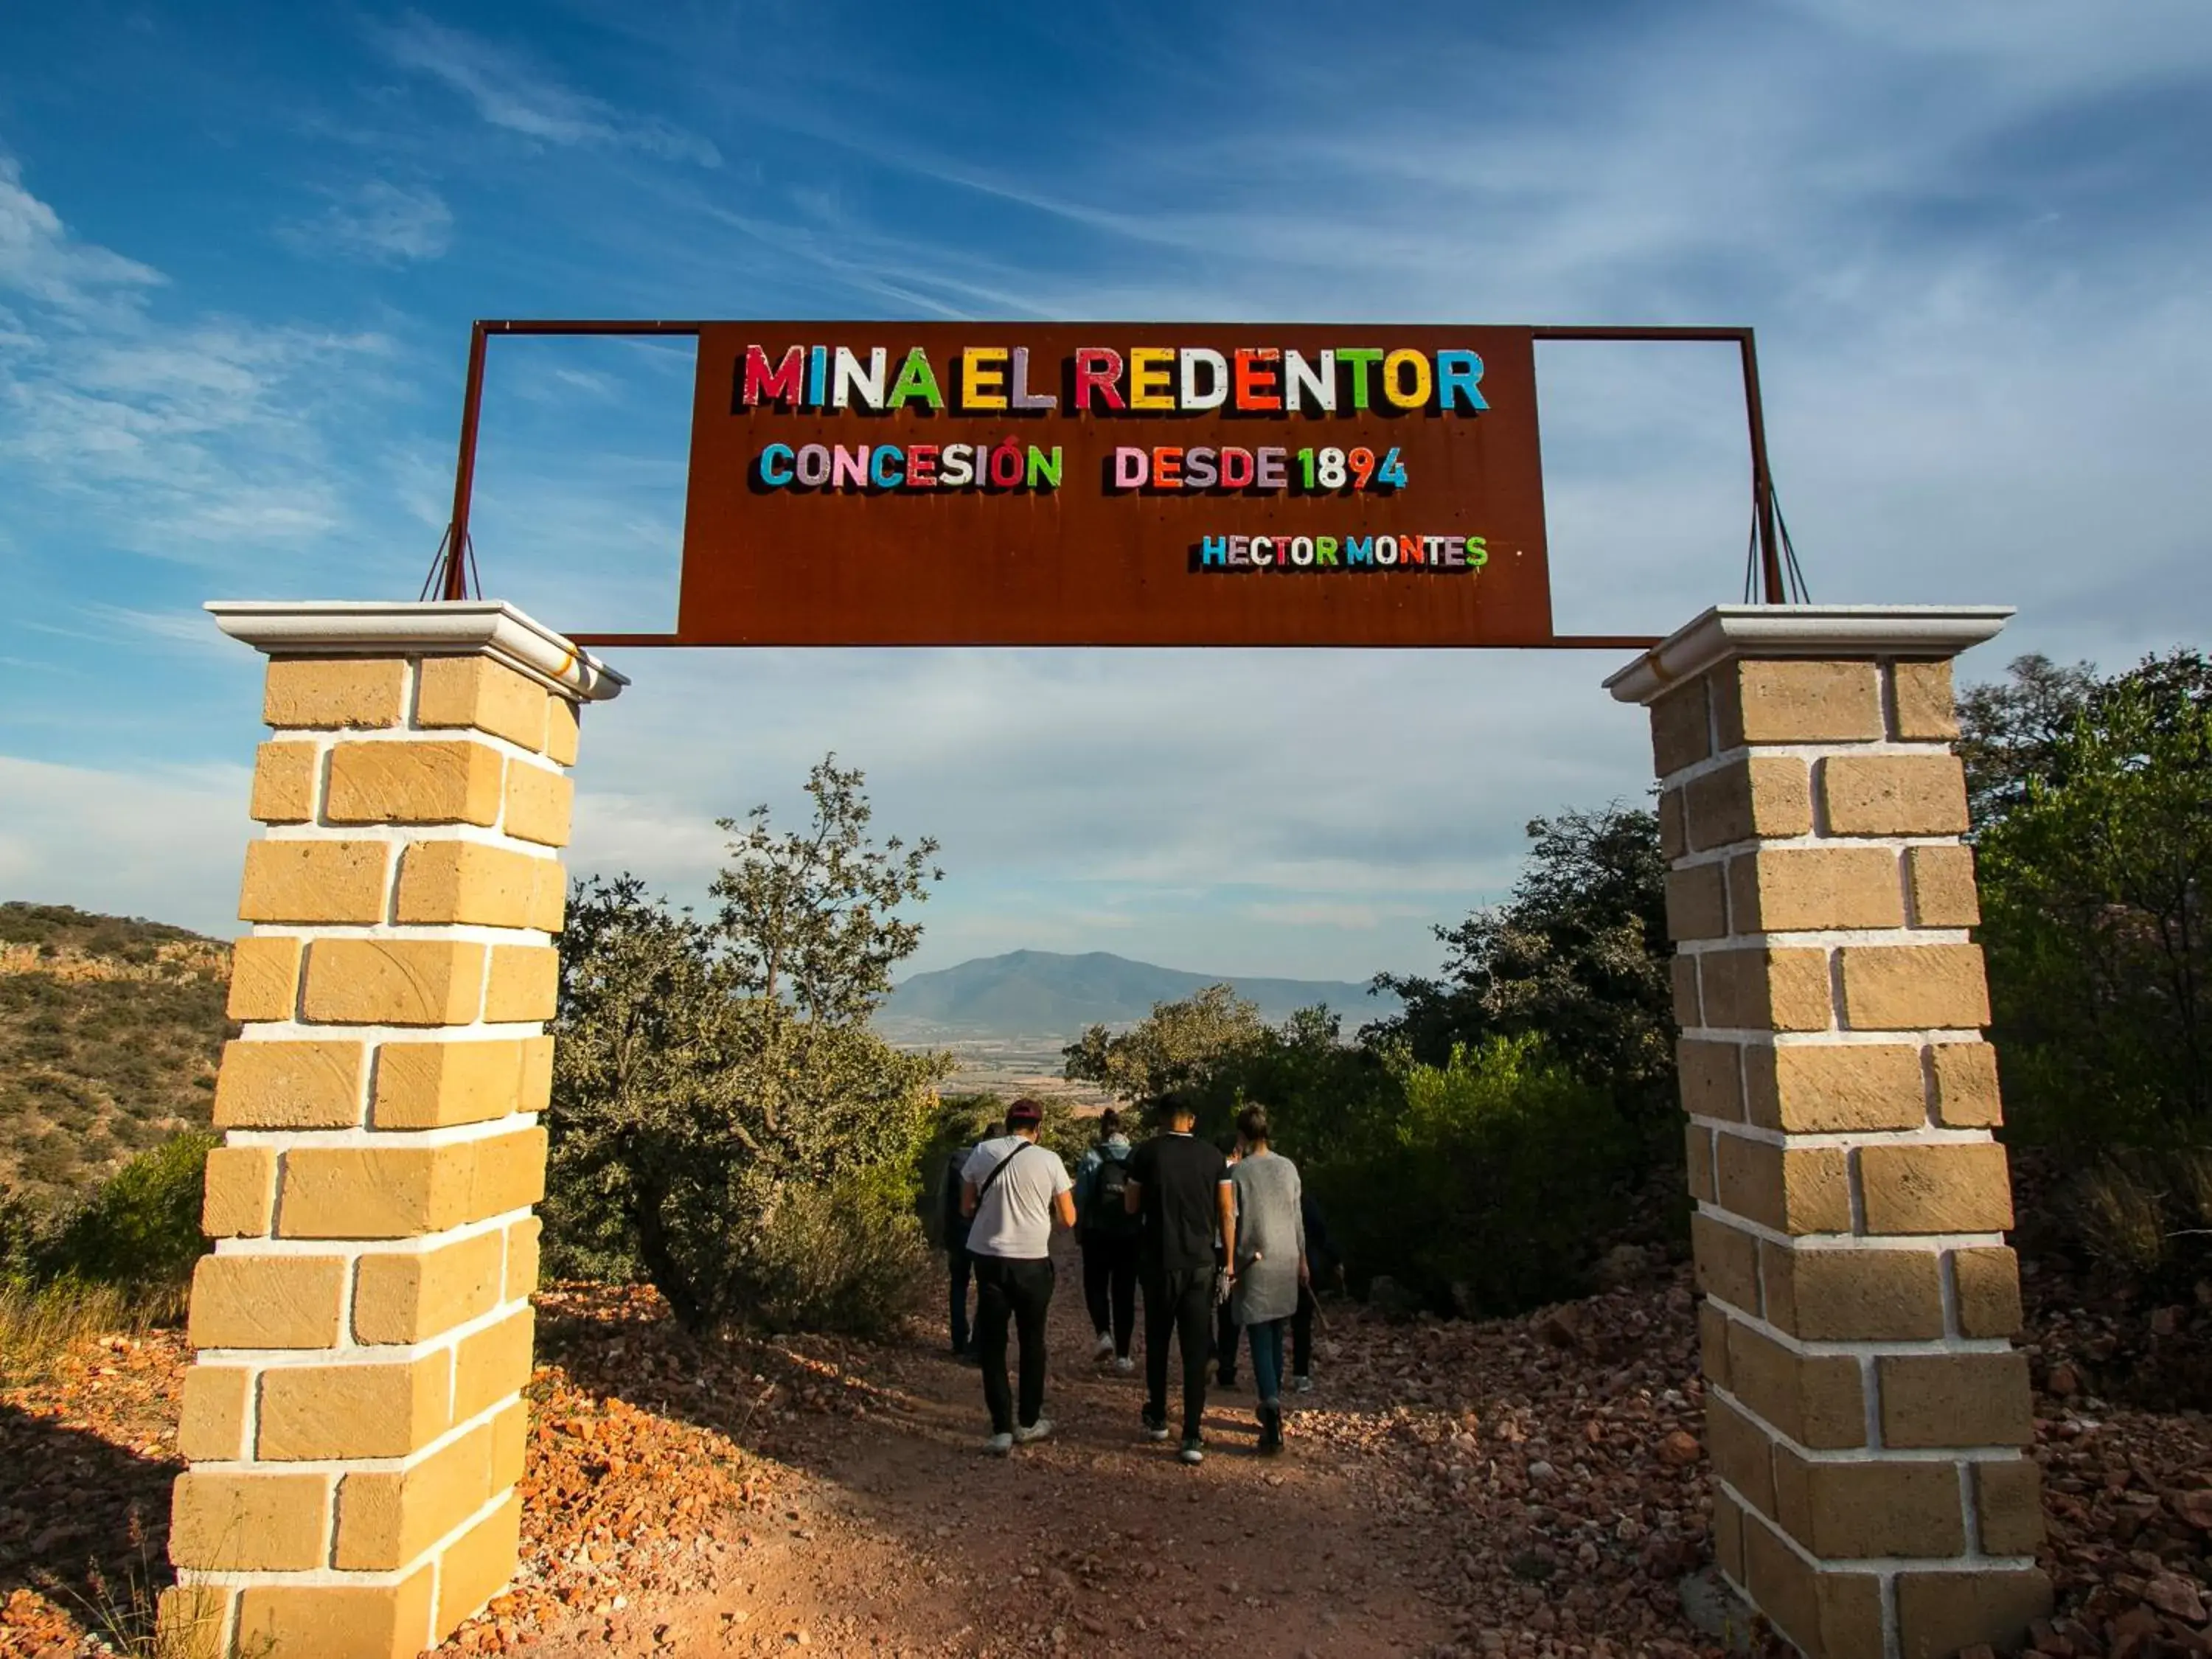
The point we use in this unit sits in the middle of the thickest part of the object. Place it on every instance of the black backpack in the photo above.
(1110, 1213)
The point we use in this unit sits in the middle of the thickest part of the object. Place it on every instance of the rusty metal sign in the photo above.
(1122, 484)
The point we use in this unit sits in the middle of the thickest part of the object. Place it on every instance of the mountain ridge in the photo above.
(1026, 993)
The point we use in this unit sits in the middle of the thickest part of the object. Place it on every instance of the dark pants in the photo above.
(1019, 1290)
(960, 1266)
(1182, 1302)
(1225, 1345)
(1110, 1286)
(1267, 1360)
(1302, 1324)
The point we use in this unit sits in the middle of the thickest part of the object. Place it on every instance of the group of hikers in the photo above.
(1219, 1239)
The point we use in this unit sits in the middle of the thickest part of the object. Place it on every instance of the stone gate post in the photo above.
(352, 1420)
(1866, 1409)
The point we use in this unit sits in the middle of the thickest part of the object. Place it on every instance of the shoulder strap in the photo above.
(992, 1179)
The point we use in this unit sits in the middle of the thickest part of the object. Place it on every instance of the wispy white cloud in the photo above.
(40, 260)
(509, 92)
(387, 224)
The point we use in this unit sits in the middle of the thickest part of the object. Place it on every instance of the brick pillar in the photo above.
(1866, 1407)
(353, 1419)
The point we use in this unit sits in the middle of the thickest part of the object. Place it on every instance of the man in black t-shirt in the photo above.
(1179, 1186)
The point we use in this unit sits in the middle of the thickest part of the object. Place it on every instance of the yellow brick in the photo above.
(1817, 1400)
(1757, 796)
(1955, 1400)
(1988, 1282)
(2008, 1500)
(536, 1074)
(1847, 1510)
(289, 1086)
(338, 1621)
(1726, 1261)
(211, 1424)
(1783, 890)
(1835, 1088)
(1798, 1189)
(1894, 795)
(467, 882)
(192, 1621)
(376, 1410)
(492, 1363)
(404, 1191)
(478, 1566)
(1853, 1296)
(1828, 1614)
(412, 1295)
(1966, 1095)
(332, 881)
(1944, 894)
(1742, 1452)
(1674, 825)
(394, 981)
(561, 733)
(440, 781)
(267, 1301)
(428, 1085)
(335, 691)
(537, 804)
(284, 776)
(549, 900)
(1697, 1148)
(1683, 971)
(510, 1436)
(479, 693)
(525, 982)
(1680, 735)
(1940, 1613)
(249, 1522)
(521, 1259)
(1950, 1187)
(239, 1197)
(1711, 1077)
(1765, 989)
(1728, 1538)
(1712, 1342)
(264, 978)
(386, 1520)
(1909, 986)
(1925, 710)
(1796, 701)
(1697, 902)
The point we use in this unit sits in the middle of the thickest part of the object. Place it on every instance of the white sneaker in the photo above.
(1125, 1365)
(1103, 1349)
(1037, 1430)
(1302, 1385)
(999, 1444)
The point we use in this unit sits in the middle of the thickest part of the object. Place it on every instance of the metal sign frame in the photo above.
(450, 575)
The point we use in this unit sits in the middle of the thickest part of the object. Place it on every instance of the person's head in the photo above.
(1252, 1128)
(1109, 1124)
(1024, 1118)
(995, 1128)
(1175, 1112)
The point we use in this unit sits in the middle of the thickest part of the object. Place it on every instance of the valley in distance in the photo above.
(1008, 1016)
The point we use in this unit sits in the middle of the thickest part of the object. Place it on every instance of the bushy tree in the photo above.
(720, 1105)
(1174, 1047)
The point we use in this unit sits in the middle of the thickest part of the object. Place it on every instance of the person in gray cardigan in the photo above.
(1271, 1261)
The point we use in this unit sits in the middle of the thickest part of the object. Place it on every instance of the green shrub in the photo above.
(849, 1258)
(140, 1230)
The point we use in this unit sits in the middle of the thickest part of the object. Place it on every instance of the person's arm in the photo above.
(1225, 1204)
(1132, 1196)
(968, 1198)
(1064, 1207)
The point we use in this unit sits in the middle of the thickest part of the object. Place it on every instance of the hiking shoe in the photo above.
(1194, 1450)
(1000, 1445)
(1302, 1385)
(1270, 1430)
(1124, 1366)
(1037, 1430)
(1224, 1379)
(1156, 1428)
(1103, 1349)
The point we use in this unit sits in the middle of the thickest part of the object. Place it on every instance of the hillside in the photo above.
(110, 1028)
(1031, 992)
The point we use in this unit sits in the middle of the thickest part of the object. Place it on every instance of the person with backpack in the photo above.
(1109, 1234)
(952, 1234)
(1012, 1191)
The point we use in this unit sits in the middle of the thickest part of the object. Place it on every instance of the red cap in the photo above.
(1025, 1111)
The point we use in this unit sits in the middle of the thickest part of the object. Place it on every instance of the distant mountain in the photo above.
(1034, 993)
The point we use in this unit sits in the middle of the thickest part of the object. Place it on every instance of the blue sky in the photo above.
(241, 246)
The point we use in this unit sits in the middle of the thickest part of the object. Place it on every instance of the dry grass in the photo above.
(39, 1326)
(2123, 1216)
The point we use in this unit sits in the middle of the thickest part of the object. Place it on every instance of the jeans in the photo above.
(960, 1266)
(1302, 1324)
(1181, 1302)
(1019, 1290)
(1267, 1359)
(1110, 1286)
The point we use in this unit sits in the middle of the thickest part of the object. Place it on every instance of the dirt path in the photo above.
(897, 1535)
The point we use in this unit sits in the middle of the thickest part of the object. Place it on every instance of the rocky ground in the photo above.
(1526, 1488)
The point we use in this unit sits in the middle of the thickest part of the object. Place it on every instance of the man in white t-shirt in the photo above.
(1013, 1190)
